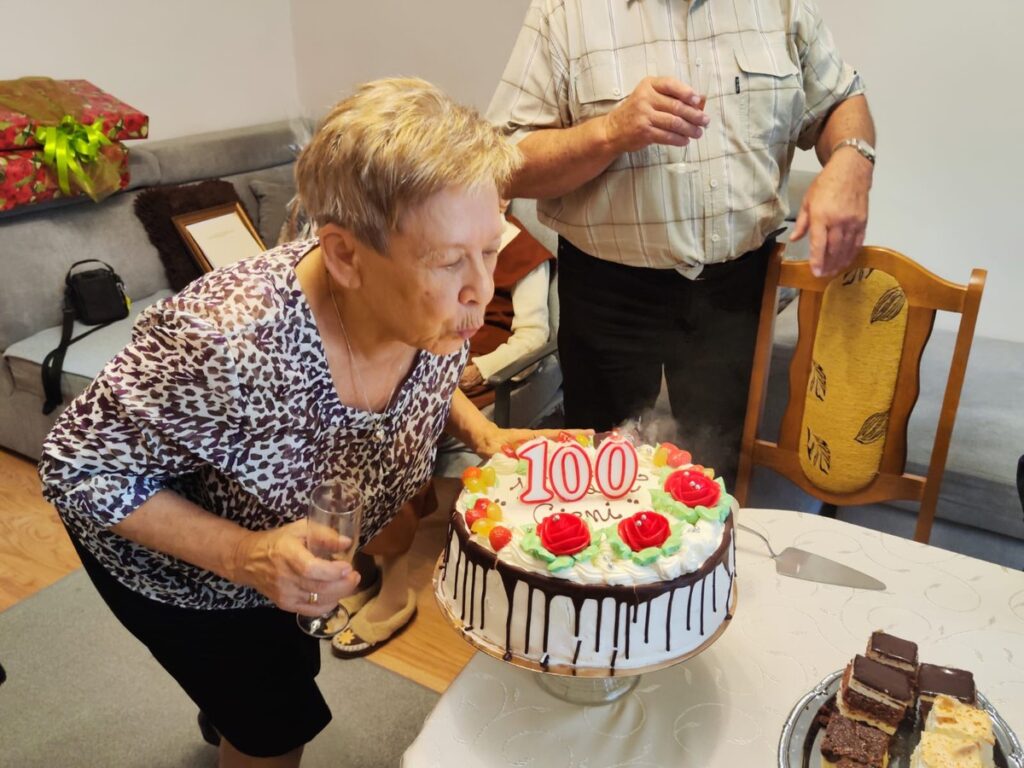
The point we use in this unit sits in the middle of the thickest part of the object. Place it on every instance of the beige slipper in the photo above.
(363, 636)
(358, 600)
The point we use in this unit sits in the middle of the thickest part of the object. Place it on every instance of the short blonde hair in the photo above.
(389, 147)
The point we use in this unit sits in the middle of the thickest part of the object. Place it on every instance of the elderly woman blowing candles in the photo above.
(184, 471)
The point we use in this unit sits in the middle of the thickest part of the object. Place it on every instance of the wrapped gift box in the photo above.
(47, 101)
(61, 138)
(25, 179)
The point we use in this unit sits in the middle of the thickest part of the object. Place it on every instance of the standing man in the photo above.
(667, 206)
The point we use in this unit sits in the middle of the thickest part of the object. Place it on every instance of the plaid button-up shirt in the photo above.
(771, 73)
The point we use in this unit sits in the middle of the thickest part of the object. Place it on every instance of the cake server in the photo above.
(801, 564)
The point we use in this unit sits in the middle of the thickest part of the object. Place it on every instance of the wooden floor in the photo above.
(35, 552)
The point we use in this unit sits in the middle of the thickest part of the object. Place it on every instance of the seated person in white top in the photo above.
(516, 320)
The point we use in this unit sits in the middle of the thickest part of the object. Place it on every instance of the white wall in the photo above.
(459, 45)
(191, 65)
(943, 84)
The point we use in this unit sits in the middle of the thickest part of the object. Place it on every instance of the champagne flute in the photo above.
(332, 533)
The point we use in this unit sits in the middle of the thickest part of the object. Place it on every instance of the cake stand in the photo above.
(586, 686)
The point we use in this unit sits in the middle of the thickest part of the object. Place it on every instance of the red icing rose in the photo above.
(643, 530)
(693, 488)
(563, 534)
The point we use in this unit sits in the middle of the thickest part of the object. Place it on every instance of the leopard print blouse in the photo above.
(224, 396)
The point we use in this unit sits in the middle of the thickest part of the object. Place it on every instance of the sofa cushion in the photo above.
(37, 248)
(84, 359)
(155, 208)
(223, 153)
(280, 174)
(272, 200)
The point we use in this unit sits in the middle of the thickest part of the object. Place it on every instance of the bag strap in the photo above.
(67, 277)
(53, 363)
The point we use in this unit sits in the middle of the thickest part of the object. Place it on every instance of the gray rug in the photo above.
(82, 692)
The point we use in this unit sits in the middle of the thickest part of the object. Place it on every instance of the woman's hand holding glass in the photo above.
(279, 565)
(333, 523)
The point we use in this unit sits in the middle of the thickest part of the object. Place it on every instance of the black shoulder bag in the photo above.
(93, 297)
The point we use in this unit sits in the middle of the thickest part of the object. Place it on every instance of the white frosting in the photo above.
(668, 634)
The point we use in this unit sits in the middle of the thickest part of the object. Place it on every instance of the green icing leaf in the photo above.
(660, 498)
(663, 502)
(561, 563)
(708, 514)
(672, 545)
(522, 467)
(687, 514)
(531, 545)
(725, 506)
(619, 547)
(646, 556)
(587, 554)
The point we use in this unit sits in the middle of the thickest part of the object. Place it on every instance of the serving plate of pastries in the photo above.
(886, 709)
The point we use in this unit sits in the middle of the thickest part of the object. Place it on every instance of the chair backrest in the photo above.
(855, 377)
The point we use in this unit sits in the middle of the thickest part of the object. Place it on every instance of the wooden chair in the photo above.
(799, 456)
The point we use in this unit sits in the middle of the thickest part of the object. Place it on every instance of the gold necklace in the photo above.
(378, 418)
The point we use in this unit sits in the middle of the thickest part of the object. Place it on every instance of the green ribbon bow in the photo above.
(70, 145)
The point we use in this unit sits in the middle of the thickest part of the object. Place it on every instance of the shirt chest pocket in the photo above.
(603, 81)
(771, 95)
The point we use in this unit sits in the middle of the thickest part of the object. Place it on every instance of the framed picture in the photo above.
(219, 236)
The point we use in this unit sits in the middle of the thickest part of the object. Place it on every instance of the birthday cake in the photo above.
(589, 555)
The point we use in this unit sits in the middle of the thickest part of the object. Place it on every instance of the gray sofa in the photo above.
(38, 245)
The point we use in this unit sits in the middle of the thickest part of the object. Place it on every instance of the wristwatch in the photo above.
(861, 146)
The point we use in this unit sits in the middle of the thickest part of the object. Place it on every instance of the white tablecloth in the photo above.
(727, 706)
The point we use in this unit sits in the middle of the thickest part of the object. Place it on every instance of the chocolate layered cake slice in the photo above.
(849, 744)
(893, 651)
(933, 680)
(958, 720)
(875, 694)
(937, 750)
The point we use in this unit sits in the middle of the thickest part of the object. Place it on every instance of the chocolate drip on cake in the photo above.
(483, 597)
(529, 617)
(703, 581)
(547, 622)
(714, 592)
(689, 602)
(447, 550)
(668, 621)
(465, 573)
(578, 594)
(508, 580)
(647, 622)
(472, 591)
(455, 589)
(731, 572)
(626, 631)
(615, 632)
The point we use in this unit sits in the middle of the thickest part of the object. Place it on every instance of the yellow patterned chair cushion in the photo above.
(856, 358)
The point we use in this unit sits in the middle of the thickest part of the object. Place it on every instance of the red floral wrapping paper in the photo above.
(26, 180)
(79, 98)
(61, 138)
